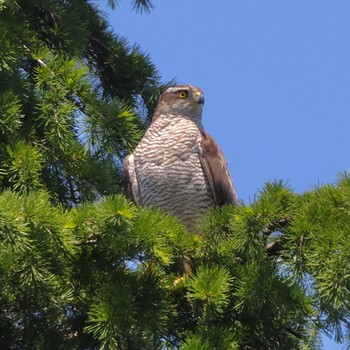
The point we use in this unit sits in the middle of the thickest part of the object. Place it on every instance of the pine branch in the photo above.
(102, 45)
(91, 240)
(277, 226)
(274, 248)
(292, 332)
(38, 60)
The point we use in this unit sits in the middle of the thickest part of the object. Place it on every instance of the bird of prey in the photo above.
(177, 166)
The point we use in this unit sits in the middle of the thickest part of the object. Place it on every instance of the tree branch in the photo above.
(273, 248)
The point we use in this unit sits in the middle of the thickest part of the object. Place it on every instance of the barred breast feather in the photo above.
(169, 171)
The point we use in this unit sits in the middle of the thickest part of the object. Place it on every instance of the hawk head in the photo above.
(184, 100)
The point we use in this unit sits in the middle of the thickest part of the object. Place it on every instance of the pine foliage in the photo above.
(83, 268)
(74, 99)
(92, 277)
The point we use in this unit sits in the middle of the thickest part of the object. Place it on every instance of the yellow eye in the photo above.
(182, 94)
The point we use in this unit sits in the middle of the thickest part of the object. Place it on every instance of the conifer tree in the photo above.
(83, 268)
(74, 98)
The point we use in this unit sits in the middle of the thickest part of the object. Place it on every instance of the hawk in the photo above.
(177, 166)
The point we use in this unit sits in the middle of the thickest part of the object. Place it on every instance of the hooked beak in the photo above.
(200, 98)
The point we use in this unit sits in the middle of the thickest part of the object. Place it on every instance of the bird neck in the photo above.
(164, 120)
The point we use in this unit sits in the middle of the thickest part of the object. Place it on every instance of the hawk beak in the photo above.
(201, 99)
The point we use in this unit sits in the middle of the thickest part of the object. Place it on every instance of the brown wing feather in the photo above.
(130, 181)
(217, 172)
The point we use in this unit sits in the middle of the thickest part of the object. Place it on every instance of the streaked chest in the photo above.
(169, 143)
(168, 159)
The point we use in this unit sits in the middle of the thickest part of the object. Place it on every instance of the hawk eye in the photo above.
(182, 94)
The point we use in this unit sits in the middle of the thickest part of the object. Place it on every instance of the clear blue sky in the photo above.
(276, 77)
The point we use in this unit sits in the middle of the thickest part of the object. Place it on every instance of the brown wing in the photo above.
(217, 172)
(130, 181)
